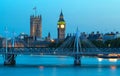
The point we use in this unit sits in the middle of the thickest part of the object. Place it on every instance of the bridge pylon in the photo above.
(77, 49)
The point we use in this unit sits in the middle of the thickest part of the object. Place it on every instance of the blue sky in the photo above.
(88, 15)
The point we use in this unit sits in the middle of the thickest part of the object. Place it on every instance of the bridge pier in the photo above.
(9, 59)
(77, 60)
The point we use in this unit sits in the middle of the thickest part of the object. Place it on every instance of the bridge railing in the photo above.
(60, 51)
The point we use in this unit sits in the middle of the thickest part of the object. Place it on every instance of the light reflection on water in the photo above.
(100, 59)
(110, 59)
(113, 60)
(60, 66)
(113, 67)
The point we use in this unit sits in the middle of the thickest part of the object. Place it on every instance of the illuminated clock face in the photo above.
(62, 26)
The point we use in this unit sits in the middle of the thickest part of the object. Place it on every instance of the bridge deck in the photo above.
(94, 52)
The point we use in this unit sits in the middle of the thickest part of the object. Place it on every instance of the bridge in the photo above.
(71, 47)
(64, 52)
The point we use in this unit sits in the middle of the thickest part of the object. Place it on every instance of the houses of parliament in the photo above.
(36, 27)
(36, 40)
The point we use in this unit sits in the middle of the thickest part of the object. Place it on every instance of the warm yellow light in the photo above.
(113, 55)
(52, 40)
(62, 26)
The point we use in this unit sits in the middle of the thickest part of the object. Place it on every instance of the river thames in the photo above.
(60, 66)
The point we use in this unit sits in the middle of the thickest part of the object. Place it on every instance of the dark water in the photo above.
(59, 66)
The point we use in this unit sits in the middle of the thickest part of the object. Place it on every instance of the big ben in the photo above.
(61, 27)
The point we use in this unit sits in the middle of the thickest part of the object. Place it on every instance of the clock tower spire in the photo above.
(61, 27)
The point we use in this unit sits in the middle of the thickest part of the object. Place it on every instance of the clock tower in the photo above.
(61, 27)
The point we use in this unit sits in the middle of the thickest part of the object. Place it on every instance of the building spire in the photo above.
(61, 17)
(61, 14)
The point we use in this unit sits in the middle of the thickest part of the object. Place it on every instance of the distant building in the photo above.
(1, 41)
(22, 36)
(109, 36)
(36, 26)
(61, 27)
(17, 43)
(94, 36)
(117, 35)
(83, 35)
(48, 38)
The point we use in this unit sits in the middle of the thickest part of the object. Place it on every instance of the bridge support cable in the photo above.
(67, 43)
(64, 49)
(80, 46)
(91, 46)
